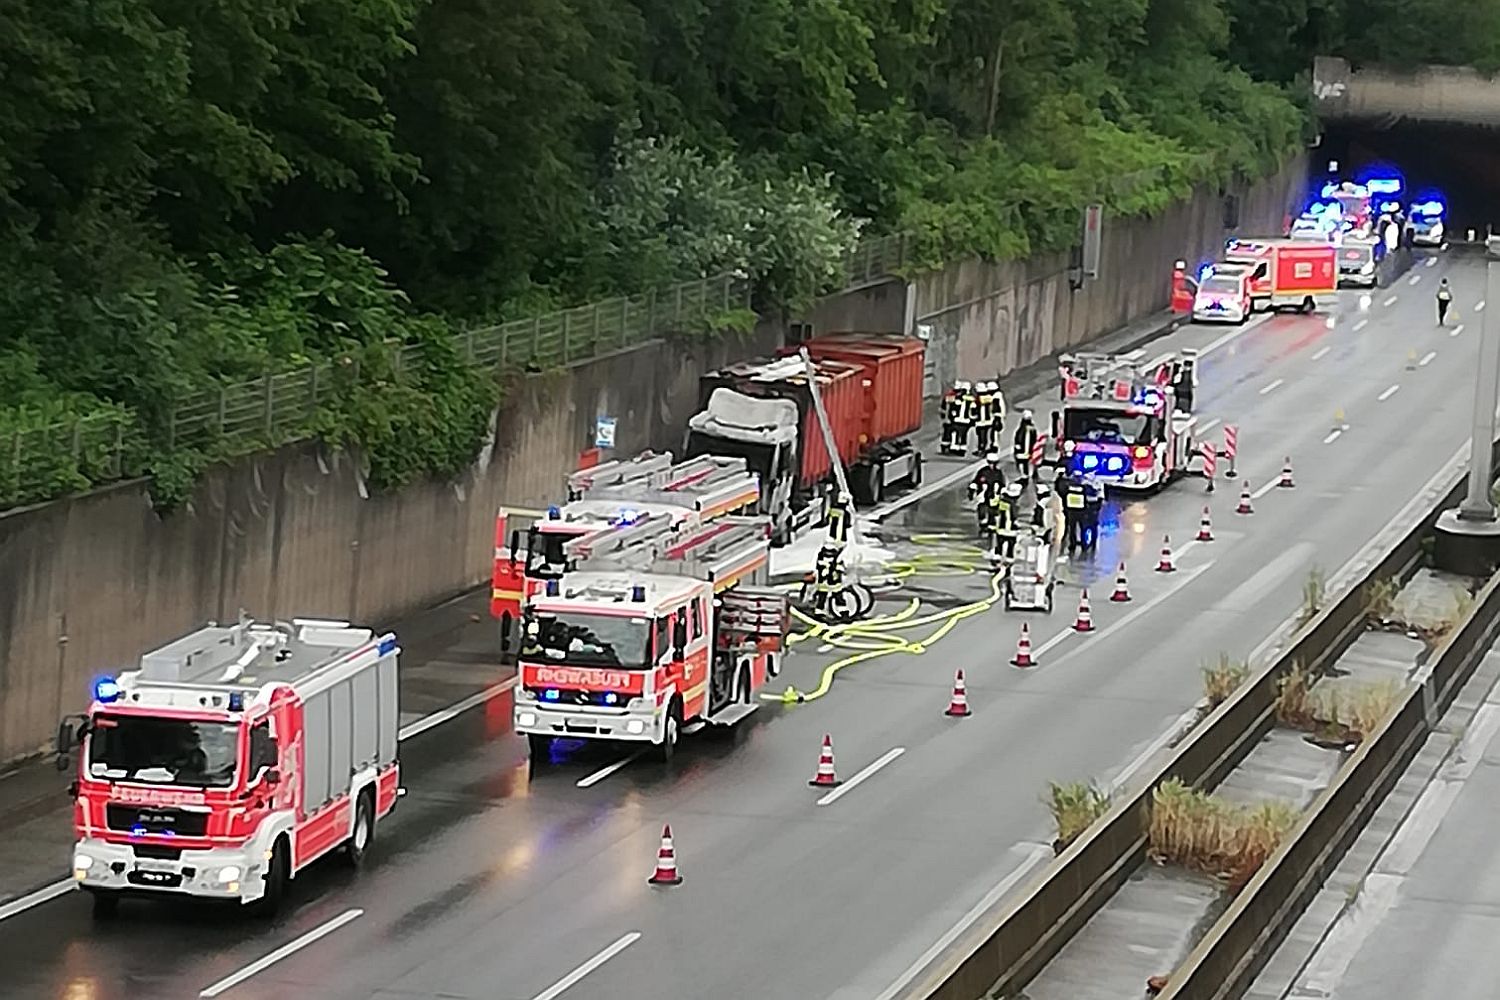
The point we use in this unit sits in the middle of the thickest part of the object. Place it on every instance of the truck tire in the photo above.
(743, 694)
(671, 731)
(278, 873)
(106, 903)
(1308, 305)
(915, 476)
(363, 833)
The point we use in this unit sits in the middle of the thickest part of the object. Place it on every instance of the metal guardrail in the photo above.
(280, 407)
(1001, 955)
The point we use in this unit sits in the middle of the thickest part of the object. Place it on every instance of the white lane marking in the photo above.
(1427, 359)
(926, 490)
(854, 782)
(604, 772)
(1272, 387)
(1390, 301)
(420, 726)
(1207, 425)
(1266, 487)
(1232, 334)
(1324, 350)
(1332, 437)
(1037, 854)
(1456, 330)
(1125, 622)
(1183, 550)
(1430, 262)
(261, 964)
(1414, 279)
(1389, 393)
(1361, 325)
(571, 979)
(1479, 308)
(1334, 956)
(1053, 642)
(42, 895)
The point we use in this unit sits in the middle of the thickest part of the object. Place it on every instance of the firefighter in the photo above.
(1073, 510)
(1184, 383)
(963, 416)
(1003, 521)
(952, 414)
(984, 417)
(1444, 300)
(1093, 506)
(989, 480)
(1025, 439)
(828, 570)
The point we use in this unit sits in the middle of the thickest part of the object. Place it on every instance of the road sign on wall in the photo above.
(604, 432)
(1093, 231)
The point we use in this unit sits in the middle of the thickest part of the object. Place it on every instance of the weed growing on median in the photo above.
(1380, 599)
(1294, 699)
(1074, 807)
(1314, 591)
(1222, 679)
(1346, 712)
(1210, 835)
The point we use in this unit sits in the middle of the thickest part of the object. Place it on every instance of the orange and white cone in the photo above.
(825, 778)
(1085, 621)
(1023, 649)
(1244, 507)
(666, 861)
(959, 705)
(1205, 527)
(1164, 564)
(1122, 588)
(1286, 482)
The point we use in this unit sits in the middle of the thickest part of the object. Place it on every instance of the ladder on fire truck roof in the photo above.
(633, 542)
(618, 473)
(1090, 375)
(700, 484)
(722, 552)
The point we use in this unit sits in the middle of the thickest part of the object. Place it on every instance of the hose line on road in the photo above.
(880, 636)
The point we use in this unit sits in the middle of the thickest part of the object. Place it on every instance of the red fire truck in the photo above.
(232, 759)
(1285, 272)
(650, 633)
(693, 492)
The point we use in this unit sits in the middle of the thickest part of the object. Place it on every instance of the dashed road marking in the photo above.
(855, 781)
(1389, 393)
(1324, 350)
(1456, 330)
(1427, 359)
(1390, 301)
(1361, 325)
(290, 948)
(1272, 387)
(571, 979)
(1332, 437)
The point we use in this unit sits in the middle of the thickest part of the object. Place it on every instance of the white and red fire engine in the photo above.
(1130, 424)
(694, 492)
(232, 759)
(652, 631)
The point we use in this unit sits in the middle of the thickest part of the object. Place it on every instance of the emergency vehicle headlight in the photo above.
(106, 690)
(1090, 461)
(635, 727)
(611, 699)
(527, 719)
(1141, 451)
(229, 873)
(1114, 464)
(82, 862)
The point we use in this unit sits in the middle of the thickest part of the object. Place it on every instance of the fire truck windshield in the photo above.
(1111, 426)
(587, 640)
(164, 751)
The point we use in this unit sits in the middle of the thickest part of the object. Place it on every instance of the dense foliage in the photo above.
(209, 191)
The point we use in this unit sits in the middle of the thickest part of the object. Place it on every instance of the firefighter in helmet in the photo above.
(1003, 521)
(984, 417)
(952, 443)
(828, 569)
(1074, 505)
(989, 480)
(1025, 440)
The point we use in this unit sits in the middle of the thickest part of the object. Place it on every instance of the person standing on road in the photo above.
(984, 417)
(1024, 441)
(1444, 300)
(989, 480)
(1093, 506)
(1071, 489)
(1003, 521)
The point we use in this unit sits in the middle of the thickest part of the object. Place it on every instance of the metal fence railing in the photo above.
(281, 407)
(876, 259)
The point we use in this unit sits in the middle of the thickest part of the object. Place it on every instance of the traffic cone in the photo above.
(959, 705)
(1085, 622)
(1164, 564)
(1205, 527)
(1023, 649)
(825, 778)
(1122, 589)
(1286, 482)
(1244, 507)
(1411, 361)
(666, 861)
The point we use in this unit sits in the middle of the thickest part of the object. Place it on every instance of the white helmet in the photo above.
(961, 385)
(1013, 490)
(993, 458)
(1025, 414)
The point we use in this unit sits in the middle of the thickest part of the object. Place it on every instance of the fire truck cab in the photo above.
(651, 633)
(1129, 424)
(232, 759)
(694, 492)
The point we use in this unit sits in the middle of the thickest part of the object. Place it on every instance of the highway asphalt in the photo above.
(497, 881)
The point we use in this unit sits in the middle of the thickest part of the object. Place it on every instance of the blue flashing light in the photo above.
(236, 701)
(106, 690)
(1205, 272)
(137, 831)
(1089, 462)
(553, 513)
(1428, 208)
(387, 645)
(1114, 464)
(626, 516)
(611, 699)
(1383, 185)
(551, 694)
(1391, 206)
(552, 588)
(1329, 190)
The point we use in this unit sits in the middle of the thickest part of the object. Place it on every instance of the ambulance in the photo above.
(531, 551)
(1282, 273)
(651, 632)
(1223, 296)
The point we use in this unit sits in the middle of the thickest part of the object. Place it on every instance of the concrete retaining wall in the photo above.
(88, 583)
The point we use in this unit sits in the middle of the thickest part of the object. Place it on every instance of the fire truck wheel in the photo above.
(364, 830)
(276, 879)
(106, 903)
(670, 729)
(742, 686)
(540, 747)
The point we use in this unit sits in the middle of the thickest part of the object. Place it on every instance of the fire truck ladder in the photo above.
(1097, 373)
(622, 546)
(618, 473)
(722, 553)
(699, 484)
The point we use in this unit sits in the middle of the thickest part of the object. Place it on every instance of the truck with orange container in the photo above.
(870, 386)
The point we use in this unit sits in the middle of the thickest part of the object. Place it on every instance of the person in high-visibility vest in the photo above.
(953, 405)
(1025, 439)
(984, 417)
(1073, 510)
(1003, 521)
(1444, 300)
(963, 416)
(1093, 506)
(989, 480)
(1041, 512)
(828, 570)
